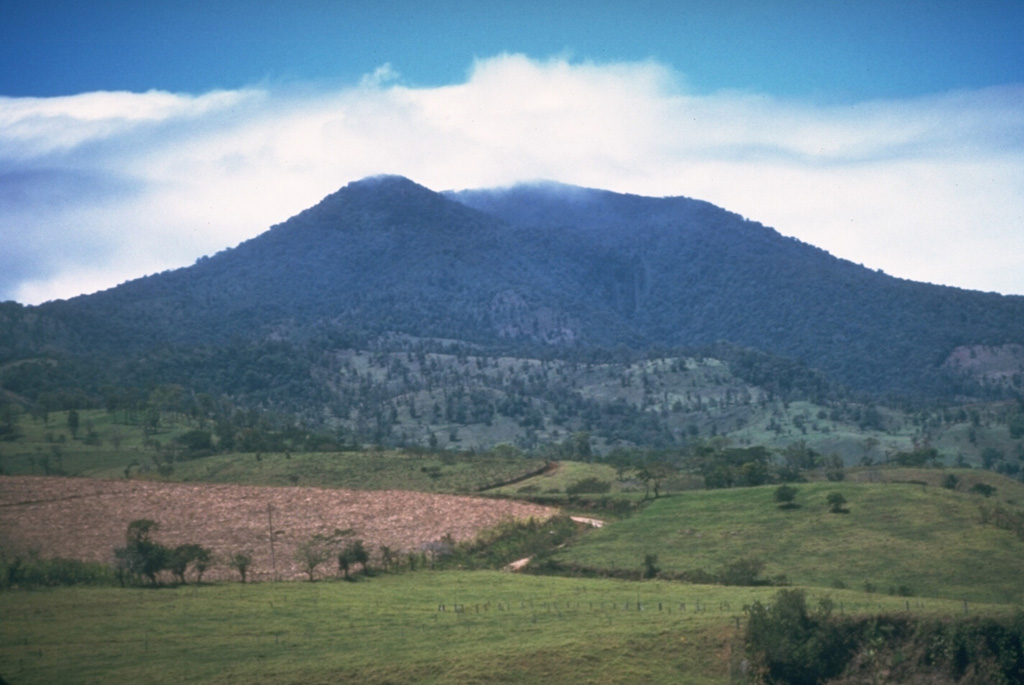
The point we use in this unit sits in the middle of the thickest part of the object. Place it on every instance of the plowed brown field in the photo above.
(86, 518)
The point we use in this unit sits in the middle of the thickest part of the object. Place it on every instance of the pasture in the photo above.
(904, 538)
(426, 627)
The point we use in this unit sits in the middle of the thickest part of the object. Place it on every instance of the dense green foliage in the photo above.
(23, 571)
(792, 645)
(142, 556)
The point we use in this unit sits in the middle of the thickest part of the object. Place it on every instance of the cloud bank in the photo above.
(99, 188)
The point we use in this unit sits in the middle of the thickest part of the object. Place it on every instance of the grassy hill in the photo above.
(898, 538)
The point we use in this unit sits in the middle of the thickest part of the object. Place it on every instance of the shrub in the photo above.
(790, 645)
(786, 643)
(836, 503)
(744, 571)
(651, 569)
(589, 485)
(241, 562)
(698, 576)
(141, 556)
(28, 571)
(983, 489)
(353, 553)
(309, 554)
(784, 495)
(182, 556)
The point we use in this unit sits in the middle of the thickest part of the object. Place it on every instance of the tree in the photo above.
(73, 422)
(141, 556)
(202, 562)
(784, 495)
(580, 442)
(651, 569)
(387, 557)
(196, 441)
(989, 457)
(836, 503)
(183, 555)
(353, 553)
(1016, 425)
(788, 644)
(621, 460)
(799, 457)
(834, 468)
(312, 553)
(745, 571)
(241, 562)
(436, 549)
(753, 473)
(870, 443)
(653, 473)
(983, 489)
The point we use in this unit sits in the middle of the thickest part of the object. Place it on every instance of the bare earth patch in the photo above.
(86, 518)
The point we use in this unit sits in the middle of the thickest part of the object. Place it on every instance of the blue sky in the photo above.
(136, 137)
(835, 51)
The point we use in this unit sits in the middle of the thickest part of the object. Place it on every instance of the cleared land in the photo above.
(86, 518)
(908, 538)
(423, 627)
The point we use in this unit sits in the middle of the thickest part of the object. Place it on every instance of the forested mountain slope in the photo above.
(684, 272)
(545, 268)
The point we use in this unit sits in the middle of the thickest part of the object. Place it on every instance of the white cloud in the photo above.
(102, 187)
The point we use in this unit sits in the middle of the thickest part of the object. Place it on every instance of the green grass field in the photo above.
(928, 540)
(390, 629)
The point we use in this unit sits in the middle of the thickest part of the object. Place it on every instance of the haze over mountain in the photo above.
(543, 264)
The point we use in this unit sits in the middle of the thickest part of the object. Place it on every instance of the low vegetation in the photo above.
(430, 627)
(898, 538)
(790, 644)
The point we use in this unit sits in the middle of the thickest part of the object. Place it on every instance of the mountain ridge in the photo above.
(542, 264)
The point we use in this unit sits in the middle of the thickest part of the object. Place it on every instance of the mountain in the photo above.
(543, 270)
(683, 272)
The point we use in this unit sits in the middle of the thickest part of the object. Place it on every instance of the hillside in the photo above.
(389, 313)
(894, 538)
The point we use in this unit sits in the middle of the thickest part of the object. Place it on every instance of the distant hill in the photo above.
(539, 270)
